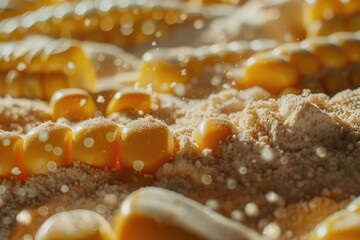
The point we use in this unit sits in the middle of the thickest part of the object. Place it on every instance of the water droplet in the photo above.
(138, 165)
(43, 210)
(43, 136)
(237, 215)
(252, 210)
(272, 197)
(179, 89)
(110, 137)
(51, 166)
(21, 66)
(212, 203)
(48, 147)
(89, 142)
(242, 170)
(6, 142)
(64, 188)
(272, 231)
(231, 183)
(2, 189)
(82, 102)
(267, 154)
(148, 27)
(101, 208)
(321, 151)
(206, 179)
(57, 151)
(198, 24)
(24, 217)
(16, 171)
(27, 237)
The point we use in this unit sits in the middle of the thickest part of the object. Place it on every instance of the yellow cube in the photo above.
(47, 147)
(212, 132)
(11, 158)
(96, 142)
(131, 101)
(145, 145)
(269, 72)
(73, 103)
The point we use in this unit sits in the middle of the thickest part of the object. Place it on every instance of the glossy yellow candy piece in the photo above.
(269, 72)
(328, 54)
(162, 214)
(71, 59)
(162, 70)
(132, 101)
(212, 132)
(96, 142)
(79, 224)
(47, 147)
(304, 61)
(73, 103)
(326, 27)
(321, 9)
(349, 43)
(11, 158)
(145, 145)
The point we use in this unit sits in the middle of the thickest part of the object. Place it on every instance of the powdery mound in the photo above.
(21, 115)
(292, 162)
(286, 152)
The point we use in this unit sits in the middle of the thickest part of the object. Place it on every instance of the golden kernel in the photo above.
(47, 147)
(349, 44)
(304, 61)
(70, 59)
(11, 158)
(328, 54)
(95, 142)
(145, 142)
(269, 72)
(162, 70)
(79, 224)
(211, 132)
(73, 103)
(133, 101)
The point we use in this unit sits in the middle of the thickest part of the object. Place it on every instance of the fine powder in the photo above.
(292, 162)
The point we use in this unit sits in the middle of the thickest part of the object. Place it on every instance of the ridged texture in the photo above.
(36, 67)
(195, 72)
(321, 64)
(323, 17)
(121, 22)
(98, 142)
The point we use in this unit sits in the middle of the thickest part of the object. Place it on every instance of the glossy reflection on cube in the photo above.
(96, 142)
(47, 147)
(145, 145)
